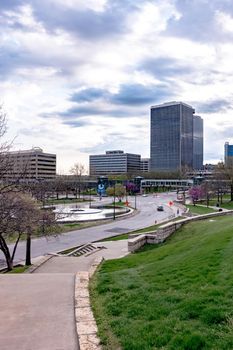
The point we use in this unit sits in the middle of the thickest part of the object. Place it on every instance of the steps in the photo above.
(85, 250)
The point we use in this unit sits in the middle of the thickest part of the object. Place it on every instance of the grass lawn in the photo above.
(227, 204)
(196, 209)
(175, 296)
(65, 201)
(18, 269)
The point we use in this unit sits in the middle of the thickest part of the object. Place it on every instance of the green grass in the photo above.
(175, 296)
(65, 201)
(18, 269)
(196, 209)
(227, 204)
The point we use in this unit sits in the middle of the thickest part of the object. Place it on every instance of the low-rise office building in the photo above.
(145, 165)
(31, 164)
(114, 162)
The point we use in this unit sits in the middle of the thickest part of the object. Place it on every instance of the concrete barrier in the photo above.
(166, 230)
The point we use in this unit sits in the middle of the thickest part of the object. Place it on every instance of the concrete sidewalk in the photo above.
(37, 312)
(64, 264)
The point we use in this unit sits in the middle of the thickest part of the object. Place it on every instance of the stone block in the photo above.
(82, 302)
(83, 314)
(86, 327)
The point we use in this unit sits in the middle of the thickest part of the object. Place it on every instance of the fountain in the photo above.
(70, 214)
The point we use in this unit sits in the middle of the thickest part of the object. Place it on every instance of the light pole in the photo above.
(114, 201)
(135, 201)
(90, 199)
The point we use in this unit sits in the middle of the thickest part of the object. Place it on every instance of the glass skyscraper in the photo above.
(228, 154)
(176, 137)
(197, 142)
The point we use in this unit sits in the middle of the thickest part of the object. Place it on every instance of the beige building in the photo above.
(31, 164)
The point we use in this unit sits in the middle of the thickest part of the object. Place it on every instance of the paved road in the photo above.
(34, 316)
(146, 216)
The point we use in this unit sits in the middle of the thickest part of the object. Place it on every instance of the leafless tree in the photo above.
(78, 170)
(19, 215)
(223, 175)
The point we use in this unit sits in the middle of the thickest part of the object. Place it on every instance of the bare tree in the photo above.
(19, 212)
(223, 175)
(19, 215)
(78, 170)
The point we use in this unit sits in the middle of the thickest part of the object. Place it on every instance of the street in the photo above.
(146, 215)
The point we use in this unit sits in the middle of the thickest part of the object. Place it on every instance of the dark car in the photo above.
(160, 208)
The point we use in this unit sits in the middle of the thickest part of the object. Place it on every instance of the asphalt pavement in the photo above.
(146, 215)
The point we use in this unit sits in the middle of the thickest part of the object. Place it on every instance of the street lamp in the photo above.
(135, 200)
(90, 199)
(114, 201)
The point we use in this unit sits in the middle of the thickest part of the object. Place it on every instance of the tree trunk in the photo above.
(6, 252)
(231, 192)
(15, 247)
(28, 250)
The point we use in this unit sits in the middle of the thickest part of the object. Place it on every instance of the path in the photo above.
(37, 312)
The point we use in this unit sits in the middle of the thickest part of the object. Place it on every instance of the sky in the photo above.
(78, 77)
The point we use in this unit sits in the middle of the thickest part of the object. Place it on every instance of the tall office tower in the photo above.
(172, 137)
(197, 142)
(228, 154)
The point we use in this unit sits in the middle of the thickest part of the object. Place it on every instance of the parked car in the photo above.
(160, 208)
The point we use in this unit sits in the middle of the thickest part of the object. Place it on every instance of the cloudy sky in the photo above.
(78, 77)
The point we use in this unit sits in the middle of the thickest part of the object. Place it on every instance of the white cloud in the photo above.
(225, 21)
(95, 5)
(47, 67)
(152, 18)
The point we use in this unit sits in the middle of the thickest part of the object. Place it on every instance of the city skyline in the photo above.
(78, 78)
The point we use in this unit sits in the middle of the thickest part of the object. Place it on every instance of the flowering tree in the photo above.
(131, 188)
(116, 191)
(196, 193)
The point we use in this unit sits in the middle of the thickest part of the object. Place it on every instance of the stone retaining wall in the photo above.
(85, 323)
(167, 230)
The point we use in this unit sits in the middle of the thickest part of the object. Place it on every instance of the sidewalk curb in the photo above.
(86, 327)
(37, 265)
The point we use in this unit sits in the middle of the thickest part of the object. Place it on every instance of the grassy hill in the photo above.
(178, 295)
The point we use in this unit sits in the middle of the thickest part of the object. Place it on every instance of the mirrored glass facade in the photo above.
(197, 142)
(172, 137)
(228, 154)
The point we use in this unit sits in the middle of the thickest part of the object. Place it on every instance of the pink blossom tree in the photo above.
(196, 193)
